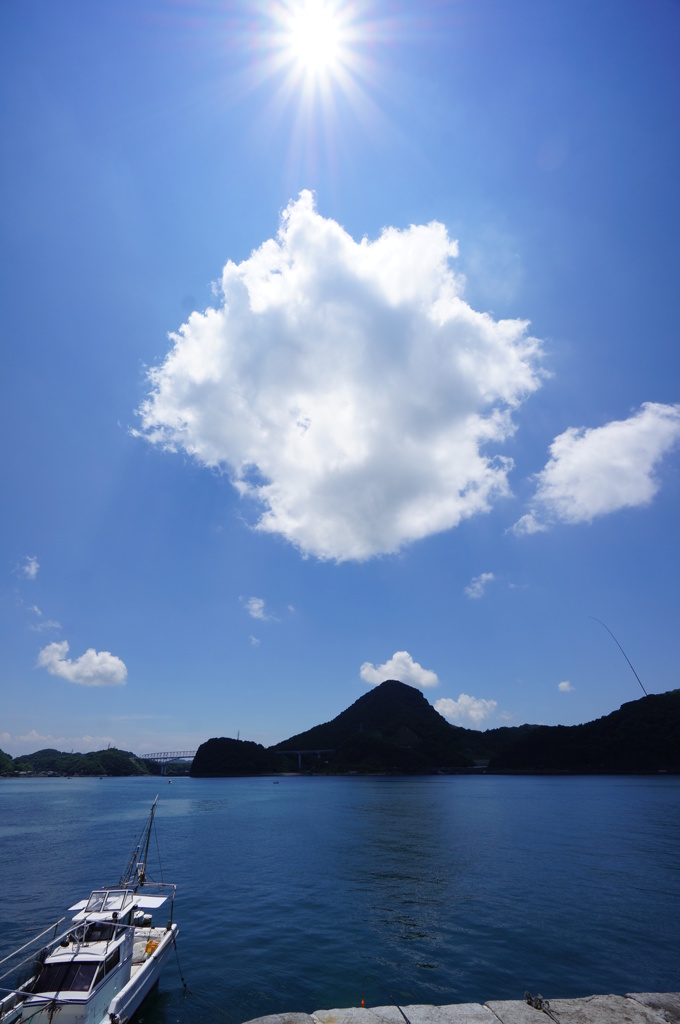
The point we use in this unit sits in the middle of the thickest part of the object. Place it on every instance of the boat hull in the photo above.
(144, 976)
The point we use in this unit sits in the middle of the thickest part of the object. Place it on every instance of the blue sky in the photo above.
(335, 357)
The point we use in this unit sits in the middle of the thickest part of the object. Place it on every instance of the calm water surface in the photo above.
(306, 893)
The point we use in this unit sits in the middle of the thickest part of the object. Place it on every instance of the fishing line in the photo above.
(622, 651)
(389, 996)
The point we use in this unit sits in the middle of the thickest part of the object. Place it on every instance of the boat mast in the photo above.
(141, 867)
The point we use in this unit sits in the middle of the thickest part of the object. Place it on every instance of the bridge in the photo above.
(299, 753)
(166, 757)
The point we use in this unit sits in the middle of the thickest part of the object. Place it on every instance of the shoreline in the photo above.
(633, 1008)
(440, 773)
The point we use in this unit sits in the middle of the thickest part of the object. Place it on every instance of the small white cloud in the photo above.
(477, 585)
(254, 642)
(255, 608)
(401, 666)
(30, 567)
(592, 472)
(466, 710)
(565, 687)
(528, 524)
(347, 388)
(91, 669)
(45, 624)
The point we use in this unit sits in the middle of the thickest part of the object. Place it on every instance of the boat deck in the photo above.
(146, 941)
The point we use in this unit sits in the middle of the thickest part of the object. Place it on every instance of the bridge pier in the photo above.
(299, 753)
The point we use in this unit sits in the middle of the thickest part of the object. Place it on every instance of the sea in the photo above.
(299, 893)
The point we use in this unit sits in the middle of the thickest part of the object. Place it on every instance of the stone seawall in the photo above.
(635, 1008)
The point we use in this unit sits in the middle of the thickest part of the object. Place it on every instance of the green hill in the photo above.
(392, 727)
(100, 762)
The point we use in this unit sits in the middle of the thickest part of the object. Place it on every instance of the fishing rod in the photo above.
(622, 651)
(388, 994)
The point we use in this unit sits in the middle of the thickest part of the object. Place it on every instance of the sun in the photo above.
(318, 56)
(315, 37)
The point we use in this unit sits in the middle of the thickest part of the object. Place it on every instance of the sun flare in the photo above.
(319, 55)
(315, 36)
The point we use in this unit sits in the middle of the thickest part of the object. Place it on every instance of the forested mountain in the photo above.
(391, 727)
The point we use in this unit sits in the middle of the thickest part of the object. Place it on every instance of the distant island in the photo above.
(394, 729)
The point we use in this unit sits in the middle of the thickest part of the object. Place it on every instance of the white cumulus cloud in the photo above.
(469, 711)
(346, 387)
(93, 668)
(592, 472)
(565, 687)
(401, 666)
(477, 585)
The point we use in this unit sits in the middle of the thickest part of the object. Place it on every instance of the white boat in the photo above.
(100, 969)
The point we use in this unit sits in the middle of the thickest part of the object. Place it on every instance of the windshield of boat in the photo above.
(105, 901)
(73, 976)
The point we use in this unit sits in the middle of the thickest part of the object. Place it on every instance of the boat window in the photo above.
(75, 976)
(95, 902)
(113, 959)
(117, 901)
(104, 901)
(99, 975)
(99, 931)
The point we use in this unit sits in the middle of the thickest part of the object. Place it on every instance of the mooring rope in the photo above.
(190, 992)
(539, 1003)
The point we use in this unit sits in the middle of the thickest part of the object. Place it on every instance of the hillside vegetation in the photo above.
(223, 756)
(100, 762)
(643, 735)
(392, 727)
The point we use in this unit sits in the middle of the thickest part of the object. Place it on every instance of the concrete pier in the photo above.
(635, 1008)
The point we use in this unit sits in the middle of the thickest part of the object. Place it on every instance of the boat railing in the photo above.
(17, 996)
(23, 986)
(27, 945)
